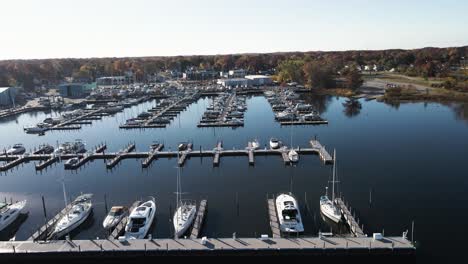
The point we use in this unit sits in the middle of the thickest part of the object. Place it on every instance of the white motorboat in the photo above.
(72, 161)
(185, 212)
(37, 129)
(255, 144)
(71, 148)
(293, 156)
(328, 207)
(288, 214)
(285, 116)
(17, 149)
(81, 209)
(10, 212)
(140, 220)
(115, 215)
(274, 143)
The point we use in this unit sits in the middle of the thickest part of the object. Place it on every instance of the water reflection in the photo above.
(352, 107)
(319, 102)
(460, 110)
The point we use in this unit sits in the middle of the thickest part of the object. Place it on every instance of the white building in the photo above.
(258, 80)
(234, 82)
(240, 73)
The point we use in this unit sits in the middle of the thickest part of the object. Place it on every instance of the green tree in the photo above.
(291, 71)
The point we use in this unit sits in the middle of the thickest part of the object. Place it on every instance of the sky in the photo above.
(35, 29)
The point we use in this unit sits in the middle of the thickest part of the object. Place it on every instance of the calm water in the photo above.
(413, 157)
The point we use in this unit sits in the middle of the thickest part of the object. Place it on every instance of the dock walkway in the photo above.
(198, 223)
(274, 224)
(353, 224)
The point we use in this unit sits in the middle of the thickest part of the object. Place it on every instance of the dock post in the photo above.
(105, 203)
(412, 232)
(45, 216)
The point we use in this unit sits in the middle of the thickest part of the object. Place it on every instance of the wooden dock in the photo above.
(273, 217)
(184, 154)
(115, 157)
(217, 152)
(152, 156)
(120, 156)
(297, 123)
(44, 231)
(323, 153)
(47, 163)
(305, 246)
(198, 223)
(353, 224)
(120, 228)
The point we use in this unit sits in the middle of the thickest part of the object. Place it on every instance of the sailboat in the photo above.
(328, 207)
(185, 211)
(292, 154)
(10, 212)
(79, 212)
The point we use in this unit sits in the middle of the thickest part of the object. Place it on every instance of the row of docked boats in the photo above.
(288, 107)
(289, 216)
(226, 108)
(76, 147)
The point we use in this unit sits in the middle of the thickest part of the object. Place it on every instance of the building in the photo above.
(7, 96)
(199, 75)
(114, 80)
(234, 82)
(259, 80)
(76, 90)
(240, 73)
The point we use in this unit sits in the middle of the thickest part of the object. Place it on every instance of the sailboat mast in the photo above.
(334, 173)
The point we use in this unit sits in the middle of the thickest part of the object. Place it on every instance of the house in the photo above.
(114, 80)
(7, 96)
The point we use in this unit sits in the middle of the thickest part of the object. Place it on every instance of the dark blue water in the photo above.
(413, 157)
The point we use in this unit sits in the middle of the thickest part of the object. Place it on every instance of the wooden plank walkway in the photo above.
(120, 228)
(184, 155)
(43, 231)
(198, 223)
(152, 156)
(47, 163)
(120, 156)
(323, 153)
(353, 224)
(274, 224)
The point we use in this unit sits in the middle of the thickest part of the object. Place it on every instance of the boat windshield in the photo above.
(289, 214)
(116, 212)
(138, 222)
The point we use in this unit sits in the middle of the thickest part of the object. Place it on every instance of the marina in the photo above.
(215, 157)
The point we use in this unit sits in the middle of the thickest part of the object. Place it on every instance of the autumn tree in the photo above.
(353, 79)
(318, 76)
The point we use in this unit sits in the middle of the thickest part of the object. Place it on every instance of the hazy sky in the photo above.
(117, 28)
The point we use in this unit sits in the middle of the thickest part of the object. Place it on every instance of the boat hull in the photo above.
(20, 206)
(65, 231)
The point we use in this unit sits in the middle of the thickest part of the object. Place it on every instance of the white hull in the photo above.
(330, 210)
(274, 145)
(18, 207)
(72, 227)
(289, 222)
(293, 156)
(181, 226)
(142, 231)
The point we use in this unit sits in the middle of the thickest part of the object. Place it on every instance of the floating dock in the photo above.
(350, 219)
(115, 157)
(273, 217)
(199, 220)
(112, 249)
(119, 156)
(43, 232)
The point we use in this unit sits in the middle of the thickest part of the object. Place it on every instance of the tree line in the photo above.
(314, 69)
